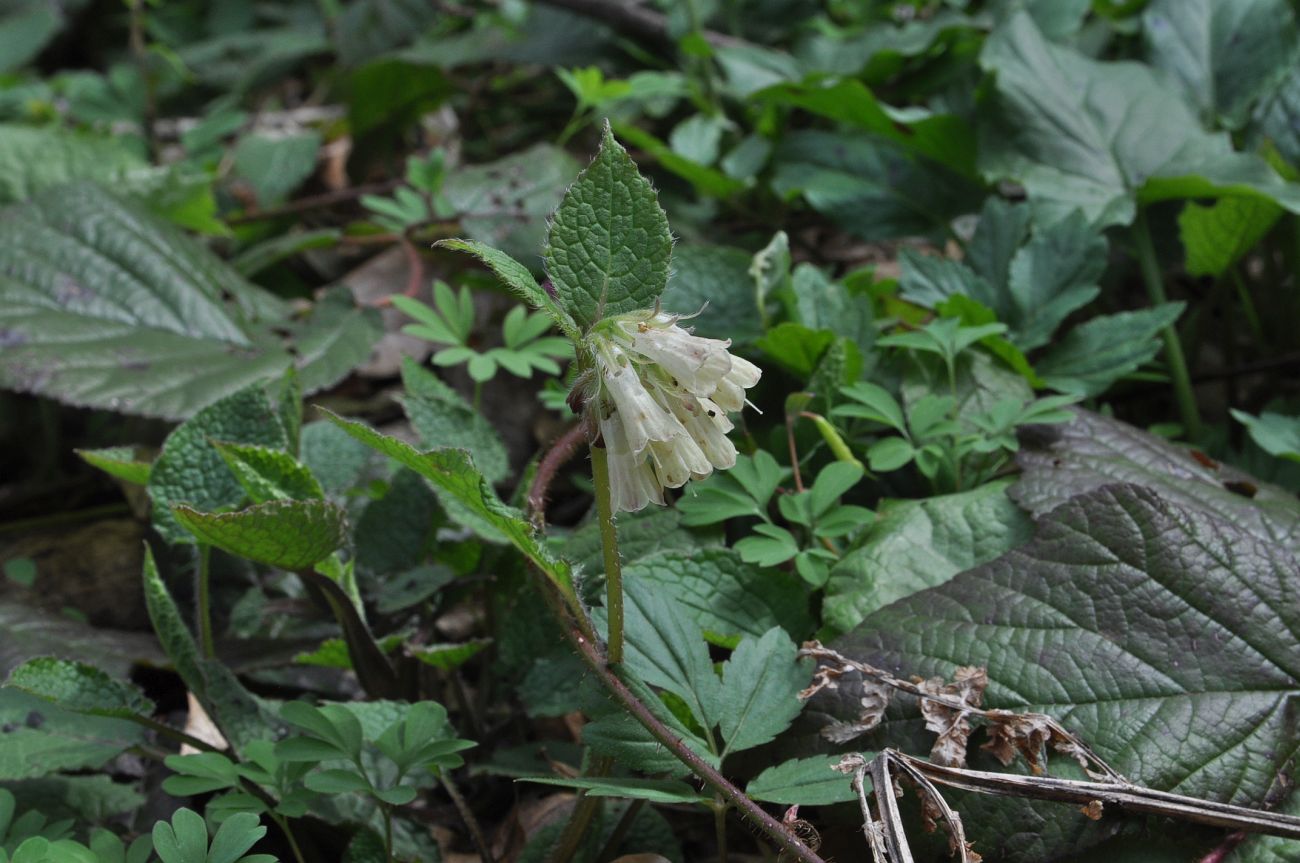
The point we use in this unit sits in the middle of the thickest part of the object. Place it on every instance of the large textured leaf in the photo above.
(32, 159)
(727, 597)
(872, 188)
(1162, 635)
(505, 203)
(916, 544)
(80, 688)
(1104, 137)
(105, 305)
(1061, 461)
(41, 738)
(289, 534)
(714, 281)
(30, 632)
(609, 244)
(191, 470)
(1224, 53)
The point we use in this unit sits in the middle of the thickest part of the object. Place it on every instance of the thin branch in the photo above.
(467, 815)
(564, 449)
(316, 202)
(594, 657)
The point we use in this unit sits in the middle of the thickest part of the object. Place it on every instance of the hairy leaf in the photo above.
(80, 688)
(289, 534)
(1126, 616)
(609, 244)
(917, 544)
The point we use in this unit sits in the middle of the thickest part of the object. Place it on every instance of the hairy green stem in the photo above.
(720, 827)
(1150, 265)
(203, 592)
(609, 546)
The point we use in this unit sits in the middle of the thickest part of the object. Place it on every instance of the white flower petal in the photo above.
(643, 418)
(632, 482)
(743, 373)
(695, 363)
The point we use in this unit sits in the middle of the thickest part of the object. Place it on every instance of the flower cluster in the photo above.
(662, 397)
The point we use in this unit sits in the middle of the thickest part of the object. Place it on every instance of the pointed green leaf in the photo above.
(665, 648)
(760, 690)
(917, 544)
(1216, 237)
(443, 419)
(269, 474)
(80, 688)
(289, 534)
(804, 782)
(632, 788)
(453, 472)
(189, 469)
(519, 280)
(118, 461)
(609, 243)
(1095, 354)
(236, 835)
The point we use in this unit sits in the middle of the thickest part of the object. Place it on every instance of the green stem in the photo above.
(204, 595)
(609, 545)
(1247, 304)
(1150, 265)
(388, 833)
(283, 824)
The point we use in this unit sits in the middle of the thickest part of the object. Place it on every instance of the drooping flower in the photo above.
(661, 397)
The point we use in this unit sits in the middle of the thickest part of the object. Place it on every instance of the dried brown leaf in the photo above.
(952, 725)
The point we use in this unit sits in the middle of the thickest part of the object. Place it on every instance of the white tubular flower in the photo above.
(661, 397)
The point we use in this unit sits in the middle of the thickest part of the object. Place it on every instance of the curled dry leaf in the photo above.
(952, 725)
(1030, 734)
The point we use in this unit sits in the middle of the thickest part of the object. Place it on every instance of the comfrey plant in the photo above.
(655, 400)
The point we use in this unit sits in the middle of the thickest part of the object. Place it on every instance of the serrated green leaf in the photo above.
(118, 461)
(725, 596)
(289, 534)
(1095, 354)
(608, 247)
(505, 203)
(759, 697)
(1044, 621)
(632, 788)
(804, 782)
(442, 419)
(36, 158)
(269, 474)
(104, 304)
(80, 688)
(454, 473)
(665, 648)
(190, 469)
(1061, 461)
(917, 544)
(44, 739)
(614, 733)
(1082, 134)
(519, 280)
